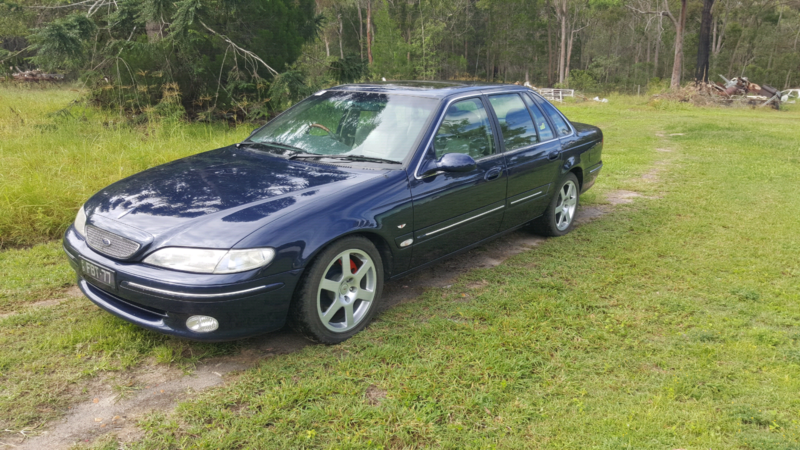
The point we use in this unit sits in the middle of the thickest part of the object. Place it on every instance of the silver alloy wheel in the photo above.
(567, 202)
(345, 295)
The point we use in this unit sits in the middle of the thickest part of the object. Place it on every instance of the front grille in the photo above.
(109, 243)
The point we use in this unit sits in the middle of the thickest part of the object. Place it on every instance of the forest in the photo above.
(239, 59)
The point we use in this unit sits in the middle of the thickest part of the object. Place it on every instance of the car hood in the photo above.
(214, 199)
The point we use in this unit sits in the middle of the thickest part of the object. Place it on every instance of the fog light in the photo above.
(202, 324)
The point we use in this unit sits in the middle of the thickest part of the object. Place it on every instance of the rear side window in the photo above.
(561, 126)
(465, 129)
(515, 122)
(545, 133)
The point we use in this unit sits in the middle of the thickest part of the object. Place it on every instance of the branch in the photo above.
(658, 13)
(236, 47)
(71, 5)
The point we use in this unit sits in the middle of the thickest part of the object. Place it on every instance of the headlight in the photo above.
(211, 261)
(80, 222)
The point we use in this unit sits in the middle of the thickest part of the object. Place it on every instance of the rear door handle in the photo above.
(493, 173)
(553, 155)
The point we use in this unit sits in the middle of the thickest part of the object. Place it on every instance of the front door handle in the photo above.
(493, 173)
(553, 155)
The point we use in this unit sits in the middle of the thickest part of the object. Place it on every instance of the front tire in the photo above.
(559, 218)
(338, 293)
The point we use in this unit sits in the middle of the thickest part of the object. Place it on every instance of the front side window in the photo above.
(351, 123)
(515, 122)
(465, 129)
(561, 125)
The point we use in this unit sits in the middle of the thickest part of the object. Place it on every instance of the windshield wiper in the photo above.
(288, 151)
(346, 157)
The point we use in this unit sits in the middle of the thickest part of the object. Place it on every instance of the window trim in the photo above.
(538, 99)
(497, 120)
(492, 120)
(546, 118)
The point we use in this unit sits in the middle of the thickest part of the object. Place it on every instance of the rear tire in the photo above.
(339, 291)
(559, 218)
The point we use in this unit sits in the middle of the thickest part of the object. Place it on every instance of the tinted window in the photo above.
(351, 123)
(515, 122)
(465, 129)
(558, 121)
(545, 133)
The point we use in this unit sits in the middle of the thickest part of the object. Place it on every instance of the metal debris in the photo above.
(742, 90)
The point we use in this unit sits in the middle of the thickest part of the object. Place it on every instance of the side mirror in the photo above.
(450, 162)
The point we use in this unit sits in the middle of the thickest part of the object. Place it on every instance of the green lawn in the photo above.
(671, 322)
(55, 152)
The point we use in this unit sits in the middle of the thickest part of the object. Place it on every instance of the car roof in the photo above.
(433, 89)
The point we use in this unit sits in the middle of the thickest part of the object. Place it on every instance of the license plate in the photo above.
(98, 273)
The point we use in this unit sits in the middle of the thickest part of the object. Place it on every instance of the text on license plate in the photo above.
(97, 273)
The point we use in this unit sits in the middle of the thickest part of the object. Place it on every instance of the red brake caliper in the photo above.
(353, 267)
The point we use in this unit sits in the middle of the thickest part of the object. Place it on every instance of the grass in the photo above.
(671, 322)
(56, 152)
(51, 160)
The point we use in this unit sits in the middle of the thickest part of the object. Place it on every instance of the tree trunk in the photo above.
(717, 46)
(549, 53)
(369, 31)
(360, 30)
(569, 57)
(655, 57)
(488, 65)
(477, 59)
(704, 46)
(341, 30)
(408, 41)
(563, 52)
(675, 82)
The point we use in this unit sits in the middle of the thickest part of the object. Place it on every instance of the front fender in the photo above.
(379, 207)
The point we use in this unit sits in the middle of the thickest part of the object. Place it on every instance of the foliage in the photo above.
(349, 69)
(219, 56)
(288, 88)
(63, 43)
(217, 51)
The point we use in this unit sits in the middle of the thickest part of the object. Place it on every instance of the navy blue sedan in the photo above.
(306, 219)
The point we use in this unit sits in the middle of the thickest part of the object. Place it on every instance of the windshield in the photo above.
(380, 126)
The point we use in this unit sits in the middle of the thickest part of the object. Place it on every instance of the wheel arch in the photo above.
(377, 240)
(579, 175)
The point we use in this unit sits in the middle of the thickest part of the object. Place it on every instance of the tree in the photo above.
(704, 45)
(680, 25)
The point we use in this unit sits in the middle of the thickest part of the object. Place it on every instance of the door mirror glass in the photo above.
(456, 162)
(450, 162)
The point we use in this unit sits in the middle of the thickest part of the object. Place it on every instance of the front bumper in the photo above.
(245, 304)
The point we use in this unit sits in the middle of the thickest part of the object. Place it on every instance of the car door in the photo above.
(453, 210)
(531, 152)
